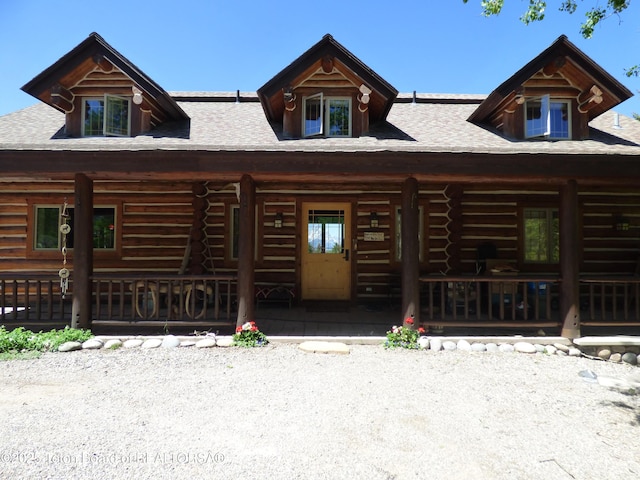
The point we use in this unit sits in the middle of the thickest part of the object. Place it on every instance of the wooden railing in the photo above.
(610, 300)
(163, 297)
(32, 298)
(489, 300)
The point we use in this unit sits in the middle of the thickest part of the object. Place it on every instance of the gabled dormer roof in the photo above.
(326, 62)
(562, 69)
(94, 68)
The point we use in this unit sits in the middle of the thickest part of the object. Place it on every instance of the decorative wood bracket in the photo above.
(551, 68)
(62, 98)
(589, 99)
(103, 64)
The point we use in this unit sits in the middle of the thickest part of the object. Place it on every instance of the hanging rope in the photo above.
(65, 229)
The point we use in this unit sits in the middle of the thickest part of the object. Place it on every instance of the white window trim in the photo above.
(105, 112)
(324, 117)
(545, 115)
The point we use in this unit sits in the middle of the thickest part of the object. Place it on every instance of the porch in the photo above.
(480, 305)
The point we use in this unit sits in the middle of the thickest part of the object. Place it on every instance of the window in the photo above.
(399, 233)
(330, 116)
(541, 235)
(47, 234)
(547, 118)
(106, 116)
(326, 231)
(234, 236)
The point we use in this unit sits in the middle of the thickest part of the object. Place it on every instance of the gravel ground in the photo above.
(279, 413)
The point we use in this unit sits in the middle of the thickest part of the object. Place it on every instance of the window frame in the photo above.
(325, 116)
(106, 111)
(232, 244)
(33, 251)
(545, 129)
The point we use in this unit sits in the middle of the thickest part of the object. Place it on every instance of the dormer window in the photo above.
(106, 116)
(547, 118)
(328, 116)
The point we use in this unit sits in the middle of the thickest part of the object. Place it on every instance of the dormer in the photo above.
(553, 97)
(102, 93)
(326, 92)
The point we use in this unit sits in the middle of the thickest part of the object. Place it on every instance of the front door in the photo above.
(326, 251)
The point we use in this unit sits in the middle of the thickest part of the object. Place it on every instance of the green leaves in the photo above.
(19, 339)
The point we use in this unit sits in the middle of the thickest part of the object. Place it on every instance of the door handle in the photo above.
(346, 255)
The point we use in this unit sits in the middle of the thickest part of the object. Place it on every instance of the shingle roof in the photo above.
(436, 123)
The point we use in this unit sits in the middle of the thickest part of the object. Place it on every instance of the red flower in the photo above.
(254, 328)
(409, 321)
(252, 323)
(421, 330)
(238, 329)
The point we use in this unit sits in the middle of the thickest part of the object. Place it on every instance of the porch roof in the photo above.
(435, 123)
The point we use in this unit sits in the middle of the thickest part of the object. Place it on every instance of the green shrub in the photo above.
(19, 339)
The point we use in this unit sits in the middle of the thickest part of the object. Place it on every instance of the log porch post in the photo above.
(82, 252)
(569, 260)
(410, 252)
(246, 249)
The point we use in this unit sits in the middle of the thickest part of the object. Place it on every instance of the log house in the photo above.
(326, 183)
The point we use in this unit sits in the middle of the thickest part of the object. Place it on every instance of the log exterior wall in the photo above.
(157, 218)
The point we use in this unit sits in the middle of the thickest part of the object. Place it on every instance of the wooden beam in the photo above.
(82, 252)
(410, 252)
(62, 104)
(589, 99)
(569, 260)
(246, 249)
(551, 68)
(102, 63)
(60, 91)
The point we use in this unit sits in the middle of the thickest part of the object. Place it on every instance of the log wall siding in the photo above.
(155, 222)
(157, 218)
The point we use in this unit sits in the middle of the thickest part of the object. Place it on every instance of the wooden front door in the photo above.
(326, 251)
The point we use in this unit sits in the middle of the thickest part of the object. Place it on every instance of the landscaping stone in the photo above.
(151, 343)
(313, 346)
(170, 341)
(615, 357)
(423, 342)
(618, 349)
(492, 347)
(506, 348)
(92, 344)
(630, 358)
(224, 342)
(562, 347)
(574, 352)
(550, 349)
(112, 343)
(603, 353)
(132, 343)
(463, 345)
(449, 345)
(69, 346)
(187, 343)
(524, 347)
(478, 347)
(561, 353)
(435, 344)
(206, 343)
(539, 347)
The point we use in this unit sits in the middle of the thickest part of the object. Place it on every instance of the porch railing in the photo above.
(489, 300)
(610, 300)
(33, 298)
(136, 298)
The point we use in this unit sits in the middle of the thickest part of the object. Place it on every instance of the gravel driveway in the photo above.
(279, 413)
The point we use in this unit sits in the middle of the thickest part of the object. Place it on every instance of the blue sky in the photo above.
(429, 46)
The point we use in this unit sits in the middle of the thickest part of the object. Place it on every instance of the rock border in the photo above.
(617, 349)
